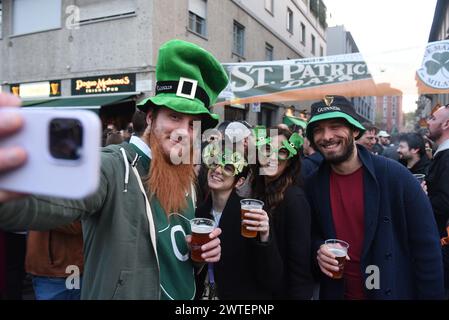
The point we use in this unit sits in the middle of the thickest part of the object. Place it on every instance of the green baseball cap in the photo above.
(188, 80)
(332, 107)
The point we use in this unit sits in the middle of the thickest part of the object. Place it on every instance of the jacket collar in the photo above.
(204, 210)
(136, 157)
(442, 147)
(141, 145)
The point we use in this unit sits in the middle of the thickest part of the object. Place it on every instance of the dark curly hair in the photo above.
(273, 192)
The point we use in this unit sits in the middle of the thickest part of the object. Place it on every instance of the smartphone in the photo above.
(63, 149)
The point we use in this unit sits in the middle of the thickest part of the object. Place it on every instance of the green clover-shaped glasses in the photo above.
(231, 163)
(287, 150)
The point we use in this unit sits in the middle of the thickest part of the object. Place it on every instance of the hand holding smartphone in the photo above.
(63, 153)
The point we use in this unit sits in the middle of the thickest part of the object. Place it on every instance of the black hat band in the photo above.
(188, 89)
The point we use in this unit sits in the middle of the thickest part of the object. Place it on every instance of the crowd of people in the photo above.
(338, 179)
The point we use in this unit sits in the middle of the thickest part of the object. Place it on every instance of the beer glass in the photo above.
(54, 86)
(201, 228)
(246, 205)
(340, 249)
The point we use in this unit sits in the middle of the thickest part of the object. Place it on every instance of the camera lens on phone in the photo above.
(66, 138)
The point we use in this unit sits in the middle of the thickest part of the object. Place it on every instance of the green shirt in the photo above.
(177, 275)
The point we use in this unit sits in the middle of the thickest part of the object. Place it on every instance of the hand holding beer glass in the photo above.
(332, 257)
(201, 235)
(254, 219)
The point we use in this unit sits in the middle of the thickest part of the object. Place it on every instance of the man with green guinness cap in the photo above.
(135, 225)
(376, 206)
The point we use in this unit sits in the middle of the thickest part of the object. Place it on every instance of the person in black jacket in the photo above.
(248, 266)
(438, 178)
(276, 183)
(412, 153)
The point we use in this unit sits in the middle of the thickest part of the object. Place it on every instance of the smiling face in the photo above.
(368, 139)
(173, 131)
(219, 179)
(404, 151)
(334, 138)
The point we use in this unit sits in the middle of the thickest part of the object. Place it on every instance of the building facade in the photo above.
(389, 115)
(340, 41)
(103, 53)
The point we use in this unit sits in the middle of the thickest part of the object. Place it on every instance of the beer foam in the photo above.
(338, 252)
(250, 207)
(202, 228)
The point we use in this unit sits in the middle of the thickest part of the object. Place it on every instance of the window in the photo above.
(303, 33)
(313, 44)
(289, 20)
(94, 11)
(33, 16)
(197, 24)
(321, 51)
(197, 16)
(269, 6)
(0, 19)
(314, 7)
(268, 52)
(239, 39)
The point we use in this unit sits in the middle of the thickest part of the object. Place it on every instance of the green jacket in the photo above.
(120, 255)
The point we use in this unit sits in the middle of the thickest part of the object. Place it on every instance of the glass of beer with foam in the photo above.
(201, 228)
(246, 205)
(340, 249)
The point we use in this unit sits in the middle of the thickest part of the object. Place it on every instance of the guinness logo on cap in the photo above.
(328, 100)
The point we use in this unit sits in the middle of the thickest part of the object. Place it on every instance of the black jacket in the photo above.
(248, 269)
(438, 189)
(422, 166)
(292, 229)
(279, 269)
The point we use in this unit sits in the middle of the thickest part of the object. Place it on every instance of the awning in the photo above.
(294, 121)
(79, 102)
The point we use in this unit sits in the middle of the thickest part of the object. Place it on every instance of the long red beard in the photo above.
(169, 182)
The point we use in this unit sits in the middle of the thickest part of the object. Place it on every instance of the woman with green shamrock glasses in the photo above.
(246, 267)
(275, 183)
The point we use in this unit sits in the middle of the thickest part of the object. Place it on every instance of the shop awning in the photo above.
(294, 121)
(79, 102)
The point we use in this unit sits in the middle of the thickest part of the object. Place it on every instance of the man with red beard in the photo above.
(374, 204)
(135, 225)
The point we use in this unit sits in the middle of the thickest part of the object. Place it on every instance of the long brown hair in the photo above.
(273, 192)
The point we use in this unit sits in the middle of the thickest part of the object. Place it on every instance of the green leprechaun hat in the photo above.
(188, 80)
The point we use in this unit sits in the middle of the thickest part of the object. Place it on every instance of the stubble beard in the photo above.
(347, 153)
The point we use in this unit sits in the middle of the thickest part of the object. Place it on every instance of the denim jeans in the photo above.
(50, 288)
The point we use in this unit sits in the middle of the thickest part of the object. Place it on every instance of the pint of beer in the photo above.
(340, 249)
(201, 228)
(246, 205)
